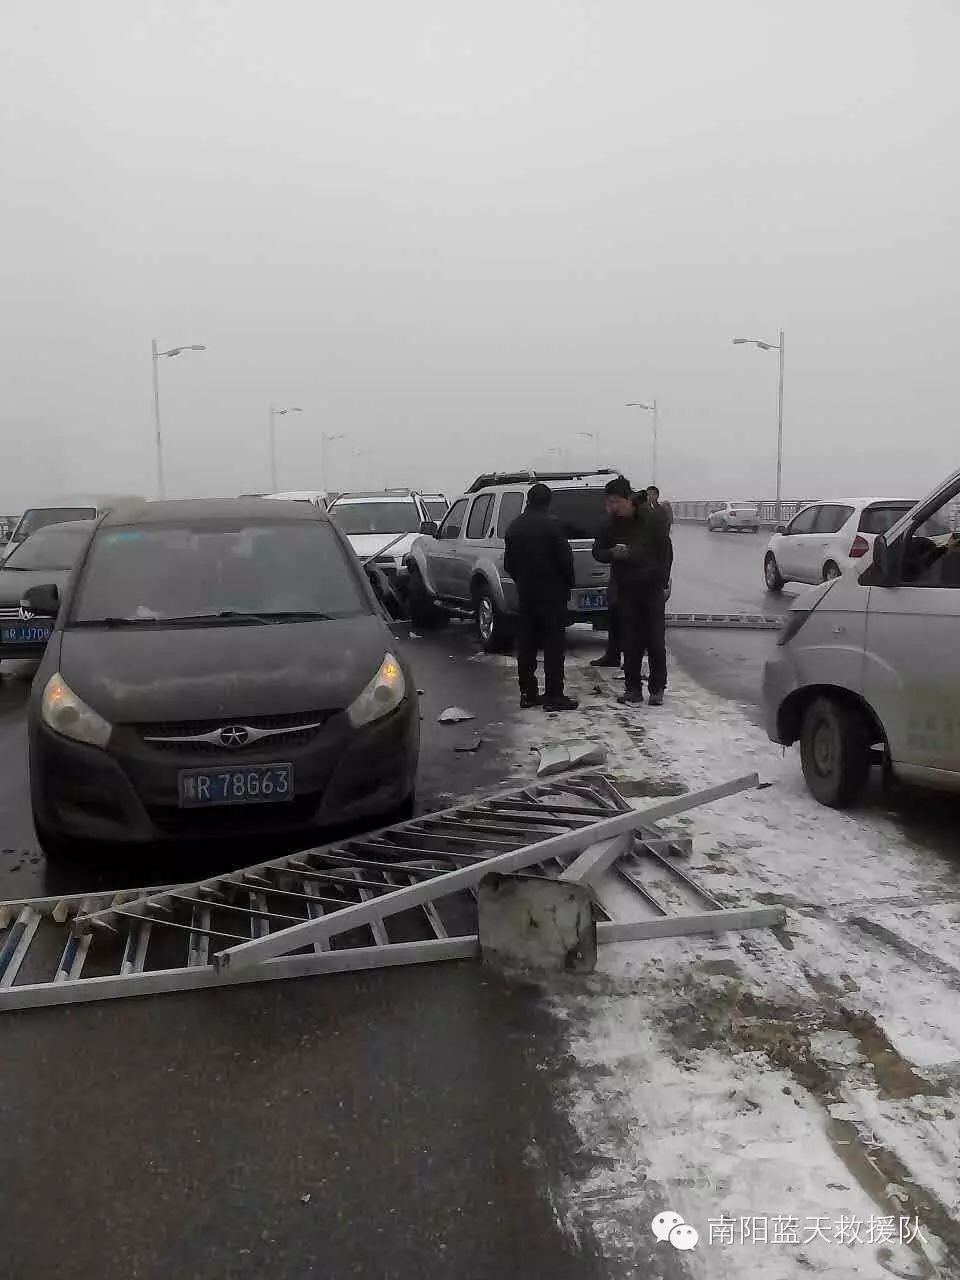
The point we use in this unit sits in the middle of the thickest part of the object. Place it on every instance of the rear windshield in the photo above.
(581, 511)
(49, 549)
(743, 506)
(162, 572)
(39, 517)
(377, 517)
(881, 519)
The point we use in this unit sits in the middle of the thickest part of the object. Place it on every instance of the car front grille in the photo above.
(293, 730)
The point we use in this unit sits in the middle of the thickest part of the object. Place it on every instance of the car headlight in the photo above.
(382, 695)
(66, 714)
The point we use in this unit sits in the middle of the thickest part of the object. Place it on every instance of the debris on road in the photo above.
(454, 715)
(472, 744)
(527, 923)
(569, 755)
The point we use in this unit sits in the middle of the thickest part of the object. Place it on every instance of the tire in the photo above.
(493, 628)
(835, 742)
(831, 570)
(420, 605)
(771, 575)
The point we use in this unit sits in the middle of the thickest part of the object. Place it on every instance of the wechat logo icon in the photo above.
(670, 1226)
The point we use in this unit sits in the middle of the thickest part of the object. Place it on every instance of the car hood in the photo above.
(14, 582)
(371, 544)
(134, 675)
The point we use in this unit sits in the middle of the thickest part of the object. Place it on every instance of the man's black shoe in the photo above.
(656, 699)
(606, 660)
(528, 700)
(563, 703)
(632, 696)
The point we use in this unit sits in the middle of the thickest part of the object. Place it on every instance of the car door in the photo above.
(793, 552)
(441, 550)
(825, 546)
(912, 678)
(509, 507)
(476, 539)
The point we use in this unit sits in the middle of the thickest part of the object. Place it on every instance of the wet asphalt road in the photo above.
(417, 1109)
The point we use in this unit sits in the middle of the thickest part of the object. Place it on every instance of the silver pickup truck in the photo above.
(457, 567)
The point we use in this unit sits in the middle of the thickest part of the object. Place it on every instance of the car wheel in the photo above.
(493, 629)
(771, 574)
(835, 742)
(830, 571)
(420, 605)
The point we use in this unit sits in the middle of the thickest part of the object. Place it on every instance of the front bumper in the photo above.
(128, 792)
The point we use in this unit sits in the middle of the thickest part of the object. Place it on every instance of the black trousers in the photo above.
(542, 624)
(614, 637)
(643, 625)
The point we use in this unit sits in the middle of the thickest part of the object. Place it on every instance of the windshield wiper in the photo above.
(115, 622)
(243, 615)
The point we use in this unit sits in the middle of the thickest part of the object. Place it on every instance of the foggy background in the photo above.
(459, 234)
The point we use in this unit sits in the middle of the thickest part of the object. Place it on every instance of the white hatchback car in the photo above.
(826, 538)
(866, 666)
(742, 516)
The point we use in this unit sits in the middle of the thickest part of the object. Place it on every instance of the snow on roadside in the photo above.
(807, 1074)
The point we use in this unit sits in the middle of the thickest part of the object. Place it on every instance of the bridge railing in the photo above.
(696, 510)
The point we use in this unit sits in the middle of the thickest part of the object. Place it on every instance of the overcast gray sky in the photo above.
(461, 233)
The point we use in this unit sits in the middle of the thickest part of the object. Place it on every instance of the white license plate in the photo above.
(592, 601)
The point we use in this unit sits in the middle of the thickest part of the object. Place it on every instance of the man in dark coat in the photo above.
(635, 542)
(539, 560)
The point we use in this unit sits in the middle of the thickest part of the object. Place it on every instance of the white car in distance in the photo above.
(826, 539)
(742, 516)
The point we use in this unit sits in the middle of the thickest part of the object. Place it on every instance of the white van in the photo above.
(867, 668)
(76, 507)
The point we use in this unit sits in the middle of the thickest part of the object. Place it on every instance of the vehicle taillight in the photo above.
(860, 547)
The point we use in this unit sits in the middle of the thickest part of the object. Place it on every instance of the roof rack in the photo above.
(531, 477)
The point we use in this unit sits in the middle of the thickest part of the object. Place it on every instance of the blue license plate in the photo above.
(25, 633)
(249, 784)
(592, 600)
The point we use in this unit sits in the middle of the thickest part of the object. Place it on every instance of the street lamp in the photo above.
(157, 356)
(650, 408)
(276, 412)
(773, 346)
(595, 437)
(327, 437)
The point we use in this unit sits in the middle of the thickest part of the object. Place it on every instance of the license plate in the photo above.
(595, 600)
(251, 784)
(25, 633)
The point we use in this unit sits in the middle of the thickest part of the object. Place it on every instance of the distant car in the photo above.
(436, 504)
(381, 527)
(217, 668)
(458, 567)
(313, 496)
(48, 556)
(827, 538)
(84, 507)
(744, 517)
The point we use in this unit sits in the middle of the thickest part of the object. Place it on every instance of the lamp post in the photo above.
(157, 356)
(778, 347)
(275, 412)
(326, 437)
(650, 408)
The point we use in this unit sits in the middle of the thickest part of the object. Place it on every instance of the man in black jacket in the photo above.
(635, 542)
(539, 560)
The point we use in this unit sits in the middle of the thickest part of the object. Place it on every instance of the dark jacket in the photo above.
(649, 559)
(538, 557)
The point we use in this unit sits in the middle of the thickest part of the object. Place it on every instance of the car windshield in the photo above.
(40, 517)
(49, 549)
(218, 571)
(581, 511)
(377, 517)
(436, 508)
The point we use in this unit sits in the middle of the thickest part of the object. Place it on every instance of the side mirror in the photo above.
(885, 566)
(429, 528)
(781, 528)
(41, 602)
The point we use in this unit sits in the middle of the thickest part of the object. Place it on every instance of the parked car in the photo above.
(381, 527)
(457, 567)
(216, 668)
(313, 496)
(48, 556)
(744, 517)
(84, 507)
(827, 538)
(866, 666)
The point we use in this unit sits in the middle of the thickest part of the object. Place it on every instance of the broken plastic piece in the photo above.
(569, 755)
(454, 715)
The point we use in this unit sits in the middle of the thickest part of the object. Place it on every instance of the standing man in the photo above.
(539, 560)
(653, 497)
(635, 542)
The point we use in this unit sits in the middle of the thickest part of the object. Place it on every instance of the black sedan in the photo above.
(48, 556)
(217, 667)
